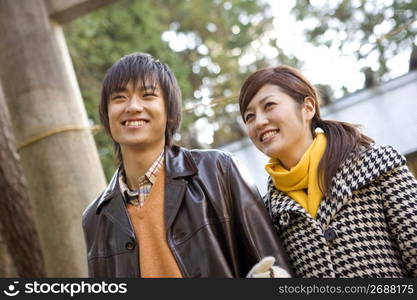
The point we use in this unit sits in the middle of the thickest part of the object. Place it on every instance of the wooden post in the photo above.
(58, 153)
(17, 225)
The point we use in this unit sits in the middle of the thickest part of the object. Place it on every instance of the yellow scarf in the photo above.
(301, 182)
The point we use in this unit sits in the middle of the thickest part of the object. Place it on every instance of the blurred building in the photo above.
(387, 113)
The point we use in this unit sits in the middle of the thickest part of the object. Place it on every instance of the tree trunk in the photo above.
(17, 226)
(58, 154)
(7, 267)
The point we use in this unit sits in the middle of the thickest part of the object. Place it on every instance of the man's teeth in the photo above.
(134, 123)
(269, 134)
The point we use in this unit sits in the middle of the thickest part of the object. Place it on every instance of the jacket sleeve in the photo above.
(399, 190)
(257, 237)
(86, 223)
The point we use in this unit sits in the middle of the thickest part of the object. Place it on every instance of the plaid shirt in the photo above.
(146, 182)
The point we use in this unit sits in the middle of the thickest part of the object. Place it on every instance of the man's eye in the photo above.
(148, 95)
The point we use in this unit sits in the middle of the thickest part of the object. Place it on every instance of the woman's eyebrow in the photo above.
(265, 98)
(260, 102)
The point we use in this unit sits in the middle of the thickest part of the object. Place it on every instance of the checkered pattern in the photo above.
(145, 182)
(366, 228)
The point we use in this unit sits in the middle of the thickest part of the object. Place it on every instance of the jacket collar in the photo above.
(281, 206)
(178, 163)
(355, 173)
(110, 192)
(115, 209)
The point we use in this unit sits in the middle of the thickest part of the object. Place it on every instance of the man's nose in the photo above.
(135, 104)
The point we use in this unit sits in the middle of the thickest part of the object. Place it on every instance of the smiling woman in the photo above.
(277, 124)
(332, 193)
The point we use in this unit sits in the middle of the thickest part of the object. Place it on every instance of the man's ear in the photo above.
(309, 107)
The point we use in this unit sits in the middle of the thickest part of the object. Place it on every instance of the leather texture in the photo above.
(216, 223)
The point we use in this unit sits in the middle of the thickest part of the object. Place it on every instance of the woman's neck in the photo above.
(291, 158)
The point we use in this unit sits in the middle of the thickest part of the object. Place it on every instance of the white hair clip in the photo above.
(318, 130)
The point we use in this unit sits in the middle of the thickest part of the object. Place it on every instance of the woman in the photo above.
(343, 206)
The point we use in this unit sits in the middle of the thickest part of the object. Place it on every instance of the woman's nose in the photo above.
(261, 121)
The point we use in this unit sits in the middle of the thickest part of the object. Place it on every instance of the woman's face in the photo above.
(277, 124)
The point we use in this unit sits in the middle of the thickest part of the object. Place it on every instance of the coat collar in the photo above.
(178, 163)
(355, 173)
(115, 209)
(110, 192)
(281, 206)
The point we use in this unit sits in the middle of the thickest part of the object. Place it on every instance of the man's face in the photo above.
(137, 117)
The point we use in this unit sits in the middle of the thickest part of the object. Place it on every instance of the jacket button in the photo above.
(330, 234)
(130, 246)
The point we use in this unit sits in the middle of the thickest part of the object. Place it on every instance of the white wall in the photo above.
(388, 113)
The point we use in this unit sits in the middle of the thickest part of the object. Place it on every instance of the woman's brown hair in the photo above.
(342, 138)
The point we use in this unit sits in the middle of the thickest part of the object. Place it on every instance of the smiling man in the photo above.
(169, 211)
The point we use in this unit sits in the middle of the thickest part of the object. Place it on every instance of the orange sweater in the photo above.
(155, 257)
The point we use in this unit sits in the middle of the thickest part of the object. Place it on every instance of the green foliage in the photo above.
(213, 35)
(372, 31)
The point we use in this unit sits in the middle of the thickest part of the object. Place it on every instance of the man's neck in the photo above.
(136, 163)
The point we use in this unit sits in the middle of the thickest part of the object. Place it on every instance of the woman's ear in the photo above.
(309, 107)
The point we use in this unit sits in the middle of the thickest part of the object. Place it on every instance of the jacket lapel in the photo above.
(117, 213)
(330, 206)
(174, 193)
(179, 165)
(112, 206)
(282, 206)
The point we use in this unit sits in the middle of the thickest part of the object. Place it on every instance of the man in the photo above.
(169, 211)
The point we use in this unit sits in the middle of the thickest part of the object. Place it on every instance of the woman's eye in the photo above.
(269, 104)
(248, 117)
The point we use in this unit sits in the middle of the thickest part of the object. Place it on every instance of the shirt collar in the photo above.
(155, 168)
(149, 177)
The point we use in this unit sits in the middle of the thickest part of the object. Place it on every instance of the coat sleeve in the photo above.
(399, 189)
(257, 237)
(87, 223)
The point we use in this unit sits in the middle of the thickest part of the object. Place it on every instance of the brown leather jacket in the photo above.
(216, 223)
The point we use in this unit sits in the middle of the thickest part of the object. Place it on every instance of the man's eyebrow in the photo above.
(118, 90)
(148, 88)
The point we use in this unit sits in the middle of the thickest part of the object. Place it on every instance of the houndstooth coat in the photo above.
(367, 228)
